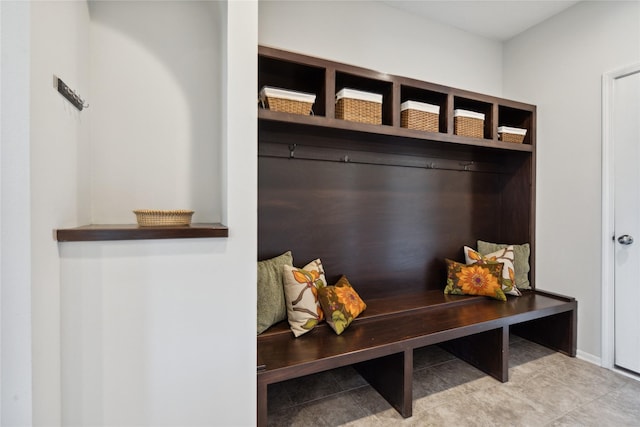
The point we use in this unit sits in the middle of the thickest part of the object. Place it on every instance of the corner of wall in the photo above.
(16, 397)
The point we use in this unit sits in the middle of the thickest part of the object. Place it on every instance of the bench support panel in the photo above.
(487, 351)
(262, 404)
(392, 377)
(557, 332)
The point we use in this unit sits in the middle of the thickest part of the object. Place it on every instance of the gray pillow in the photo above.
(271, 305)
(520, 260)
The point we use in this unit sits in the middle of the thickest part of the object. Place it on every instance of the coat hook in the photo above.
(431, 165)
(345, 159)
(466, 165)
(292, 150)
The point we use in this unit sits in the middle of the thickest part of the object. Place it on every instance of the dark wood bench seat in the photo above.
(381, 341)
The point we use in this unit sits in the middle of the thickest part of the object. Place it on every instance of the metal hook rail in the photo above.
(70, 95)
(299, 151)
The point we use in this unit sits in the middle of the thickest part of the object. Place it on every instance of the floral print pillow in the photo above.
(301, 296)
(341, 304)
(475, 279)
(504, 256)
(520, 260)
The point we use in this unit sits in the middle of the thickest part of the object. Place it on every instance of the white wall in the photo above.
(163, 332)
(138, 328)
(16, 396)
(558, 66)
(156, 109)
(59, 189)
(379, 37)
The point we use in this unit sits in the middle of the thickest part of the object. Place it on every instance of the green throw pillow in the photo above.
(520, 261)
(271, 306)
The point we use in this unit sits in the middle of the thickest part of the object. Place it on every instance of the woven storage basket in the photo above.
(420, 116)
(155, 218)
(509, 134)
(468, 123)
(287, 101)
(358, 106)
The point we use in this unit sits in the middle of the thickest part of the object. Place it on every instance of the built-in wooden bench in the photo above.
(381, 341)
(385, 205)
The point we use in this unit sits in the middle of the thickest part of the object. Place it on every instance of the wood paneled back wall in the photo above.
(386, 227)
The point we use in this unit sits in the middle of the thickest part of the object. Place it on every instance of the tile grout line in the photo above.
(585, 404)
(317, 399)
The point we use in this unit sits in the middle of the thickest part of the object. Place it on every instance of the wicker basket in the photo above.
(287, 101)
(155, 218)
(420, 116)
(358, 106)
(513, 135)
(468, 123)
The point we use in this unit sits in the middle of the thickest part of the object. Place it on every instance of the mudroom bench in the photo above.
(384, 195)
(380, 343)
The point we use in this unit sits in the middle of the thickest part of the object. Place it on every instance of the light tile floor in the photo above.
(544, 389)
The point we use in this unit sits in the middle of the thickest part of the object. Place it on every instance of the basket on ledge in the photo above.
(468, 123)
(419, 115)
(159, 218)
(513, 135)
(287, 101)
(359, 106)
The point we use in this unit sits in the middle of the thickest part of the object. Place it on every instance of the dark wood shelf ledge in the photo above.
(386, 130)
(98, 232)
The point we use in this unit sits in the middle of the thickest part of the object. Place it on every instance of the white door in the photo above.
(626, 163)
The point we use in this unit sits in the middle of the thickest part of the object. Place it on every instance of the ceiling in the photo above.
(496, 20)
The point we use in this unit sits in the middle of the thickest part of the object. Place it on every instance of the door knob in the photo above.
(625, 239)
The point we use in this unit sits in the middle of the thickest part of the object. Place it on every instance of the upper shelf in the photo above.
(88, 233)
(327, 122)
(292, 71)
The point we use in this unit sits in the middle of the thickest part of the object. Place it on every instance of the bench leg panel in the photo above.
(487, 351)
(392, 377)
(262, 404)
(557, 332)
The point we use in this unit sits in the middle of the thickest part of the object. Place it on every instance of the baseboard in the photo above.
(587, 357)
(627, 374)
(598, 361)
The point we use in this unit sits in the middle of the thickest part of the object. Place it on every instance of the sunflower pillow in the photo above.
(505, 256)
(340, 304)
(475, 279)
(301, 296)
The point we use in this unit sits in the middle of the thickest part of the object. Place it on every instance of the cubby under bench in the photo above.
(380, 343)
